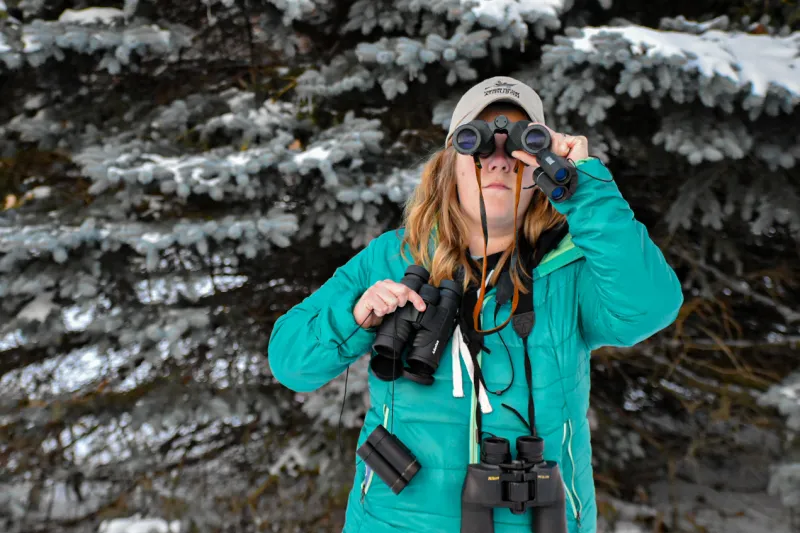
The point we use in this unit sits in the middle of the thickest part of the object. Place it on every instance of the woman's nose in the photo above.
(499, 160)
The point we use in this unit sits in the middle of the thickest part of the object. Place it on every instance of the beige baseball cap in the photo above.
(489, 91)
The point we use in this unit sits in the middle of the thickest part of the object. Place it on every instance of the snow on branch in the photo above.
(88, 32)
(761, 73)
(251, 234)
(484, 27)
(516, 15)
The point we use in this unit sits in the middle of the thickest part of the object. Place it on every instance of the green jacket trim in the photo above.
(566, 252)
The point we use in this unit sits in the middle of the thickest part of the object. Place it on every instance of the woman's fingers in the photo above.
(578, 147)
(525, 157)
(383, 298)
(386, 300)
(405, 294)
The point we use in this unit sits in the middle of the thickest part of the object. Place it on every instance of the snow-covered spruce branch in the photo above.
(220, 174)
(227, 119)
(785, 477)
(509, 20)
(154, 335)
(363, 218)
(768, 200)
(337, 153)
(251, 235)
(724, 69)
(101, 31)
(700, 140)
(785, 396)
(138, 463)
(392, 62)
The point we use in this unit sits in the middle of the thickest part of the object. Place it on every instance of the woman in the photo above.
(586, 268)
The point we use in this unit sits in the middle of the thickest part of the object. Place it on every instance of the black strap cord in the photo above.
(344, 395)
(522, 322)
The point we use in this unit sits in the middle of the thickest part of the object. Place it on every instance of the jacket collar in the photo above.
(565, 253)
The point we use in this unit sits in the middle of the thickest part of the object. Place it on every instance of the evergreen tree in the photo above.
(176, 175)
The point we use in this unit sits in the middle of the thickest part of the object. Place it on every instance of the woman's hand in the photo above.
(566, 146)
(382, 299)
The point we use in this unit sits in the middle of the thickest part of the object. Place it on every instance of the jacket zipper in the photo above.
(572, 494)
(365, 484)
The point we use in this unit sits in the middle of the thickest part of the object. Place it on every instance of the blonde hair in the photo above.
(436, 228)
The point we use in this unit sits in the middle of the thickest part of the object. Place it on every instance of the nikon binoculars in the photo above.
(526, 482)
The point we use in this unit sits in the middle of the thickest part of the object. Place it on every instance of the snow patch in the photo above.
(757, 60)
(318, 153)
(516, 11)
(139, 525)
(91, 15)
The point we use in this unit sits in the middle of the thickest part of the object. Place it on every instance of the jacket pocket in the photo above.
(573, 500)
(368, 472)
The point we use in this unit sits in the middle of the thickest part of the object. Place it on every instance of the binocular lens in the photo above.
(536, 139)
(561, 175)
(558, 193)
(467, 139)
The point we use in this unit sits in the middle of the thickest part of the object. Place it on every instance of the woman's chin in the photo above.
(498, 206)
(501, 217)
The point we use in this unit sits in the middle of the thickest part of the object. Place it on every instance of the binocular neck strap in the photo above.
(523, 324)
(520, 168)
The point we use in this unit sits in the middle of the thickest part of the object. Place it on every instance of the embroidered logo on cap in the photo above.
(500, 87)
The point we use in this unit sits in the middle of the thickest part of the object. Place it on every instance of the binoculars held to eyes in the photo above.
(555, 176)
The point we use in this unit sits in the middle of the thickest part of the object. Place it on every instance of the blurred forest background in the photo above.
(174, 175)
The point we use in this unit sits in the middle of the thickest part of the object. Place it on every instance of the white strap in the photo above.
(459, 348)
(455, 353)
(483, 398)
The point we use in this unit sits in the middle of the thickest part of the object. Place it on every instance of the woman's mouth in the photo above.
(499, 186)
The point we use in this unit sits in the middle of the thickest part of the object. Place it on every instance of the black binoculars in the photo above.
(389, 458)
(526, 482)
(556, 177)
(425, 333)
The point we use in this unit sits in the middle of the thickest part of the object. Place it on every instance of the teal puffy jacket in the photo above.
(605, 284)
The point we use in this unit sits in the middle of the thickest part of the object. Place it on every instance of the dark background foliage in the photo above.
(176, 176)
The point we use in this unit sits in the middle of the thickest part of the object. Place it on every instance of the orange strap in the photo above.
(479, 305)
